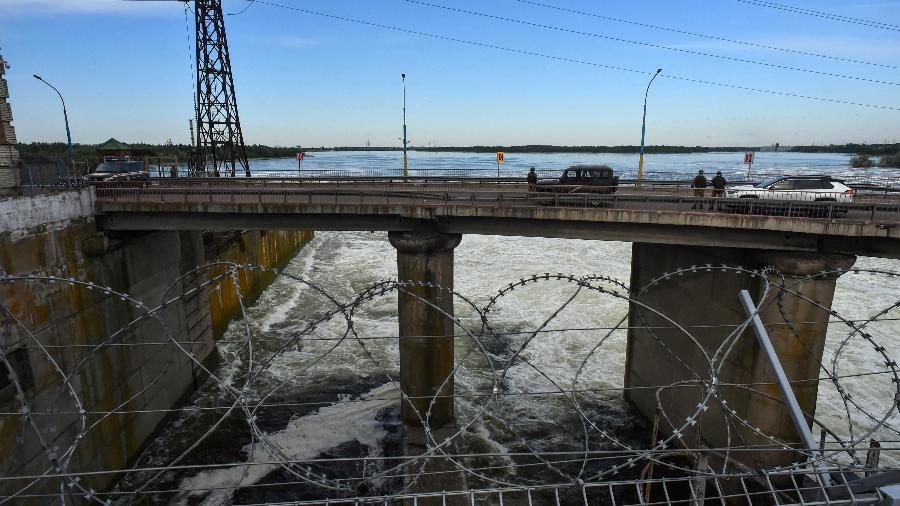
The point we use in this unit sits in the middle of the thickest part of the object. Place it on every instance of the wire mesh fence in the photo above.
(597, 465)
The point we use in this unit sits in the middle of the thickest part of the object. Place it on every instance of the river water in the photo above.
(331, 398)
(517, 164)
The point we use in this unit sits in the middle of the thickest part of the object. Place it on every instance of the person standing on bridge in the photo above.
(699, 185)
(532, 179)
(718, 184)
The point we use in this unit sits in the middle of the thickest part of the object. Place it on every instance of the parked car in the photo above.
(119, 171)
(581, 179)
(805, 188)
(792, 196)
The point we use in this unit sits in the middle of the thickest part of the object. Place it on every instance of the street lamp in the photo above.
(405, 159)
(65, 114)
(640, 174)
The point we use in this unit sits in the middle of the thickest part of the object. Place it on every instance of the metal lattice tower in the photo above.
(220, 142)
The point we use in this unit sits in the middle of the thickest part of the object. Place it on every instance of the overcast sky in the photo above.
(124, 68)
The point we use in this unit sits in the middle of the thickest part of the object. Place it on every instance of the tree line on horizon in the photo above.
(43, 152)
(37, 152)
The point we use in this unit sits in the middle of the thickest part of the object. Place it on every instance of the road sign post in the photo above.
(500, 157)
(748, 160)
(300, 156)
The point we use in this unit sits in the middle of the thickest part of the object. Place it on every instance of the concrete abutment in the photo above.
(668, 372)
(140, 374)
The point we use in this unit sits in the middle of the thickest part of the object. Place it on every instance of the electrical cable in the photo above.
(706, 36)
(651, 45)
(578, 61)
(824, 15)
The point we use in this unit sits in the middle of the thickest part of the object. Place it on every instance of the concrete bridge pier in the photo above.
(706, 303)
(426, 332)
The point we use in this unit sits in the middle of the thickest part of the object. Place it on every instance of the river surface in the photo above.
(331, 398)
(517, 164)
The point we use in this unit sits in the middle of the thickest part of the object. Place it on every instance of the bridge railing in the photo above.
(480, 172)
(654, 180)
(505, 185)
(881, 210)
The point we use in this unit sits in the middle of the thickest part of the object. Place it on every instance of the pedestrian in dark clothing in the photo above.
(699, 185)
(718, 184)
(532, 179)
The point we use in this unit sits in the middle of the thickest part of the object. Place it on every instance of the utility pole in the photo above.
(405, 158)
(220, 141)
(640, 174)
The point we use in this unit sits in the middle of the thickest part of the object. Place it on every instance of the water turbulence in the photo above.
(304, 403)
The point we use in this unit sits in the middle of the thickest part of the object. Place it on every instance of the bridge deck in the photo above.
(868, 226)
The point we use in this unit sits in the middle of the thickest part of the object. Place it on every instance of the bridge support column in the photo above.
(426, 330)
(705, 302)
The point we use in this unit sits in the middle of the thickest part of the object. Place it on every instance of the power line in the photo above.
(247, 7)
(574, 60)
(705, 36)
(648, 44)
(823, 15)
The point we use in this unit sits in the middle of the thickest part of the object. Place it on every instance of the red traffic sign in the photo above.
(300, 156)
(748, 158)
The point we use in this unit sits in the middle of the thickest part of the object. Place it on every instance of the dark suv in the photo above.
(582, 179)
(119, 171)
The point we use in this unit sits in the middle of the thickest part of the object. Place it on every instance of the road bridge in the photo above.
(868, 226)
(801, 246)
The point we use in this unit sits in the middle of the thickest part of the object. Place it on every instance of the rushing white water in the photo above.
(332, 390)
(345, 263)
(303, 438)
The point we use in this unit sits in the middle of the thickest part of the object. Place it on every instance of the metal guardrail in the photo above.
(492, 183)
(733, 176)
(884, 210)
(786, 488)
(476, 172)
(869, 185)
(46, 177)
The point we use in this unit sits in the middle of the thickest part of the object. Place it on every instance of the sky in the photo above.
(496, 72)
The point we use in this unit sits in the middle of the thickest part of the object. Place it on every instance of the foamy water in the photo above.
(323, 371)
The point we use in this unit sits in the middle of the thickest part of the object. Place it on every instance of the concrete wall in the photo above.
(705, 302)
(30, 216)
(68, 322)
(140, 373)
(273, 248)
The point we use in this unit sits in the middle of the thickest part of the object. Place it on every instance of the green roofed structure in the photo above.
(113, 149)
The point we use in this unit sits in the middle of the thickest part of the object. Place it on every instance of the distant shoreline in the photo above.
(849, 149)
(37, 152)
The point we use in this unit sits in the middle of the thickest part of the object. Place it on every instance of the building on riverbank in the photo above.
(9, 156)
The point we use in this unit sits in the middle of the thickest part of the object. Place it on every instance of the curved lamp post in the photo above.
(65, 113)
(640, 174)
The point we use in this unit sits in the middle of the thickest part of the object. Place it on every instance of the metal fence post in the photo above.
(790, 399)
(698, 483)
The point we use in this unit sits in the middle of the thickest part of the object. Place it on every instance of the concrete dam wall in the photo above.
(273, 248)
(88, 374)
